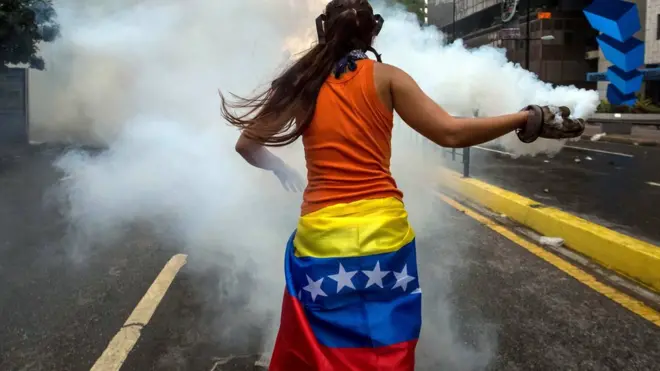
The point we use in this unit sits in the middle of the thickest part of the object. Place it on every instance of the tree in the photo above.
(413, 6)
(24, 24)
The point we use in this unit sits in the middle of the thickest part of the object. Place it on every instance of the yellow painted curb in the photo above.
(636, 259)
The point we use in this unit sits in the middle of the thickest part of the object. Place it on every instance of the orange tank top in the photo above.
(348, 143)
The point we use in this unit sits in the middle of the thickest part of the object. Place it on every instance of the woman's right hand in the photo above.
(290, 179)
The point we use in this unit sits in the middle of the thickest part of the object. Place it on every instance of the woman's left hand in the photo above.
(550, 122)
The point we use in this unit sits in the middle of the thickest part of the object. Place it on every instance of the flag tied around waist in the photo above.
(352, 298)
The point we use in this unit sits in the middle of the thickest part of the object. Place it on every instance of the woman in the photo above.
(352, 298)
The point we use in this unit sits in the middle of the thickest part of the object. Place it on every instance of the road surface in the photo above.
(489, 303)
(615, 185)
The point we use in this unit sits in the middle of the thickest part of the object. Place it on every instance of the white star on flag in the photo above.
(314, 288)
(343, 278)
(403, 279)
(375, 276)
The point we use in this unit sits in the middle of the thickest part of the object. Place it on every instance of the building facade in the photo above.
(651, 36)
(560, 60)
(649, 12)
(439, 12)
(568, 58)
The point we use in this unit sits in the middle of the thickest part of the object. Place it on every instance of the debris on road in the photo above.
(577, 160)
(597, 137)
(551, 241)
(232, 361)
(263, 361)
(588, 158)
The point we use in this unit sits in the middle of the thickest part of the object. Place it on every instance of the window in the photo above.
(568, 38)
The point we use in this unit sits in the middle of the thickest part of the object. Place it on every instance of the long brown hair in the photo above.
(279, 115)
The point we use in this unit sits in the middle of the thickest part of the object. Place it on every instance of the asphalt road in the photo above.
(615, 185)
(59, 305)
(489, 304)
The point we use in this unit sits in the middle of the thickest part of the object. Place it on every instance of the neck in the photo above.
(349, 62)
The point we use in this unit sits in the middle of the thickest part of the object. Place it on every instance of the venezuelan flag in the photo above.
(352, 298)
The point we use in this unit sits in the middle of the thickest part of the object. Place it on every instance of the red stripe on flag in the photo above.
(296, 349)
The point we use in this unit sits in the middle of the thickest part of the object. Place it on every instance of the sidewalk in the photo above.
(641, 135)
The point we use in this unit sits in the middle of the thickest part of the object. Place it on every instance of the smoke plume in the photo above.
(140, 78)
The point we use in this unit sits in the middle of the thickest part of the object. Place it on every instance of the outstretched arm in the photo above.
(429, 119)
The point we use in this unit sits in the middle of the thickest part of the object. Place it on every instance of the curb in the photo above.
(633, 258)
(623, 140)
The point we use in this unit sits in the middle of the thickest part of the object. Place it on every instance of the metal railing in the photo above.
(431, 149)
(652, 119)
(453, 155)
(463, 153)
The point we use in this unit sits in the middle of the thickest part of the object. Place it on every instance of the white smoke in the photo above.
(464, 81)
(141, 78)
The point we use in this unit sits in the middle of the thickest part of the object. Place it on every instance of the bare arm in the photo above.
(429, 119)
(257, 155)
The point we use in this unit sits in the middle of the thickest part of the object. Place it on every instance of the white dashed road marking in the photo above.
(599, 151)
(493, 150)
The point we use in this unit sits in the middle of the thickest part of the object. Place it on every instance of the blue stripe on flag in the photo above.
(358, 302)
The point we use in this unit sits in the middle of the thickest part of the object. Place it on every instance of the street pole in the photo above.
(453, 24)
(529, 35)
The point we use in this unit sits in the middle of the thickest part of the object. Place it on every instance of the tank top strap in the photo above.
(368, 83)
(363, 79)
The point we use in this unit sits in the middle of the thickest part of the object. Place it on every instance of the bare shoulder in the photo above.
(384, 70)
(395, 76)
(385, 76)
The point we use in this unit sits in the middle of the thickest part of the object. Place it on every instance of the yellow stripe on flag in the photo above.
(365, 227)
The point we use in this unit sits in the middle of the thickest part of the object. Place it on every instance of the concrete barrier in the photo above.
(626, 255)
(622, 123)
(635, 118)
